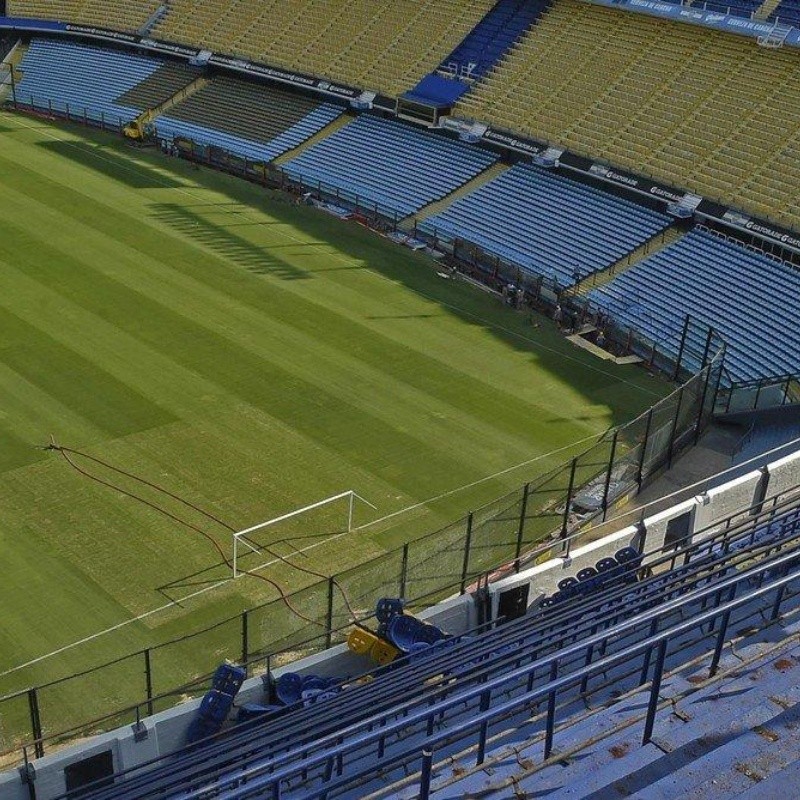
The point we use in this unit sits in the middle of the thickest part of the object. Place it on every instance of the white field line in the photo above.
(305, 549)
(352, 262)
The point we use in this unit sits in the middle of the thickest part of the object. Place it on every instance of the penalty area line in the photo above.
(224, 581)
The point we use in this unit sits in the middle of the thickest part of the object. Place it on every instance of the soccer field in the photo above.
(249, 357)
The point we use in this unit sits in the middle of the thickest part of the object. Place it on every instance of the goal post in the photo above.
(241, 539)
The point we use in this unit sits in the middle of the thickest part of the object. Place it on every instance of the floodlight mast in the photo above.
(350, 495)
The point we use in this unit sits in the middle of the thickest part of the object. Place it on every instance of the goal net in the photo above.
(247, 541)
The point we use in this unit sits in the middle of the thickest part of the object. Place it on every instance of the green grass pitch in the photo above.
(252, 357)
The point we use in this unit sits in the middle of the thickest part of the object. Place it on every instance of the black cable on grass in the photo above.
(66, 451)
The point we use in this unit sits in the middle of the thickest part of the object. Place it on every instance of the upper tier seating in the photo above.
(385, 46)
(363, 738)
(751, 299)
(84, 78)
(253, 121)
(121, 15)
(549, 225)
(396, 166)
(704, 110)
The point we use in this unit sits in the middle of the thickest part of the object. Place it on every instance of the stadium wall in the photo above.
(162, 733)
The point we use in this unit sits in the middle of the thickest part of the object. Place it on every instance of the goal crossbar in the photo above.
(240, 537)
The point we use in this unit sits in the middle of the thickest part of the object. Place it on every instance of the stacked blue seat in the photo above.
(82, 78)
(736, 8)
(752, 300)
(391, 165)
(493, 35)
(168, 128)
(547, 224)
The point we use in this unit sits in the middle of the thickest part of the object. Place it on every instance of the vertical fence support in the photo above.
(607, 486)
(404, 572)
(723, 630)
(467, 547)
(698, 425)
(643, 454)
(681, 348)
(521, 527)
(550, 723)
(425, 775)
(652, 704)
(148, 682)
(674, 430)
(329, 626)
(245, 642)
(570, 489)
(36, 723)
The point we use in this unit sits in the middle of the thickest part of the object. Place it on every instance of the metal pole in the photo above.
(654, 690)
(467, 546)
(329, 632)
(425, 775)
(681, 348)
(550, 723)
(13, 88)
(235, 554)
(245, 641)
(148, 681)
(608, 473)
(674, 428)
(698, 426)
(723, 629)
(521, 528)
(643, 454)
(350, 512)
(404, 571)
(36, 723)
(565, 521)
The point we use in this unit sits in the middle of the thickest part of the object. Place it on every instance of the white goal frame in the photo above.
(241, 536)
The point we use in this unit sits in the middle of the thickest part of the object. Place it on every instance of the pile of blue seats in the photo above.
(217, 703)
(622, 568)
(407, 633)
(547, 224)
(81, 79)
(389, 166)
(751, 299)
(493, 35)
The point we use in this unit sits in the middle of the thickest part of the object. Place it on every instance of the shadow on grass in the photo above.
(223, 242)
(113, 164)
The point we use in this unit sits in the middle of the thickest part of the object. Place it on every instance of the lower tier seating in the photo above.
(547, 224)
(251, 120)
(751, 299)
(82, 79)
(470, 697)
(393, 166)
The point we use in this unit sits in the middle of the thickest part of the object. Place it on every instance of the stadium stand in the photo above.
(549, 225)
(585, 670)
(253, 121)
(750, 298)
(787, 12)
(492, 36)
(392, 165)
(160, 86)
(120, 15)
(369, 43)
(703, 110)
(79, 77)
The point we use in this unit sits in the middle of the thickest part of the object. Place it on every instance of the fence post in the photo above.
(652, 704)
(643, 455)
(245, 641)
(607, 486)
(698, 426)
(565, 521)
(36, 723)
(404, 571)
(521, 528)
(467, 546)
(148, 681)
(674, 430)
(681, 348)
(329, 633)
